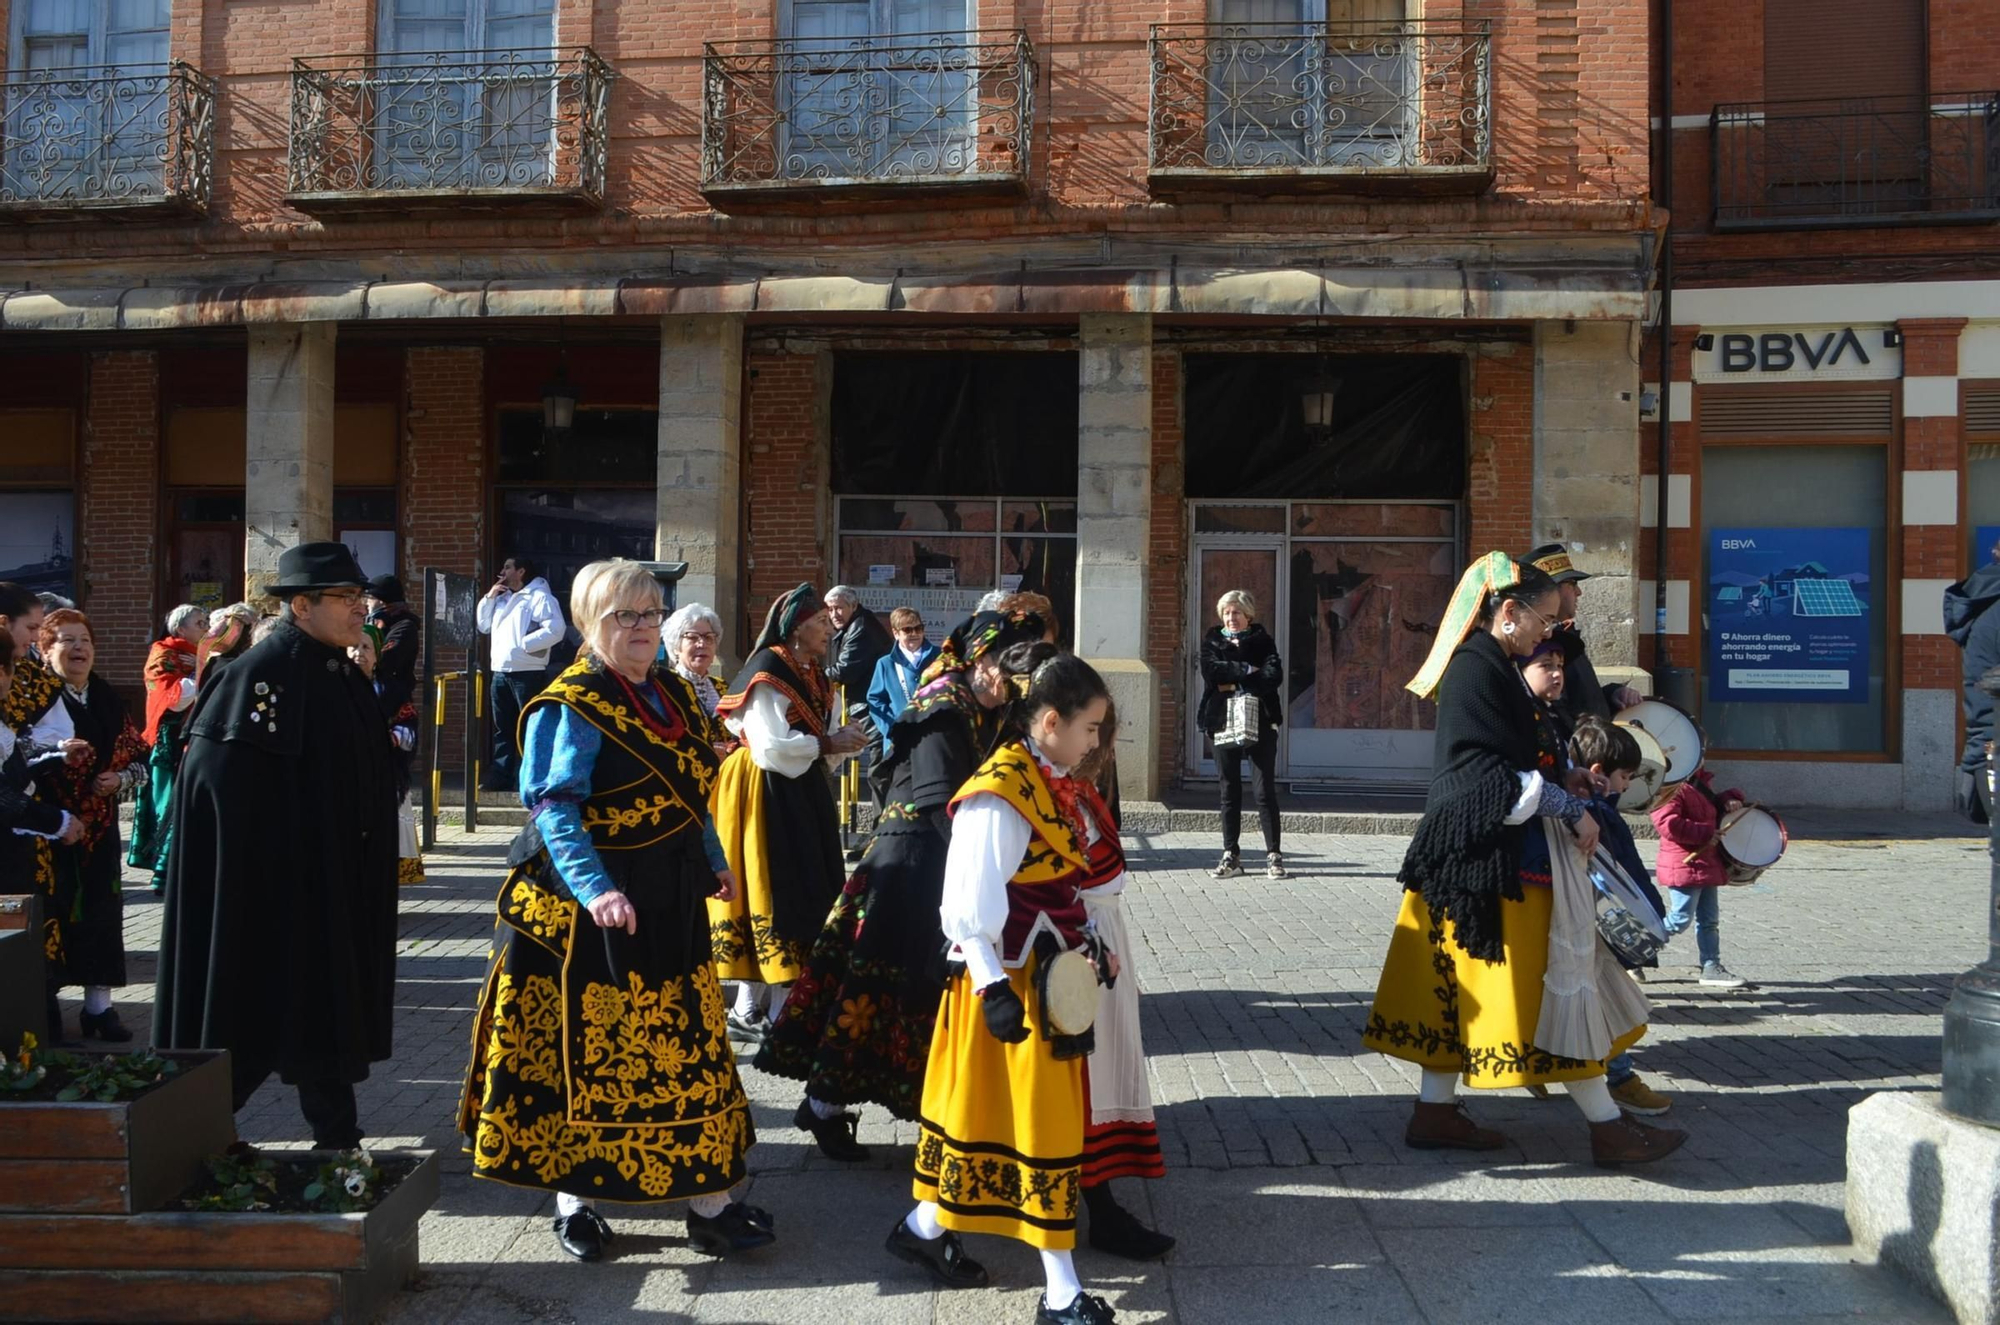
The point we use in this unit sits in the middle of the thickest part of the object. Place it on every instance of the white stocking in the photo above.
(1594, 1098)
(776, 1005)
(924, 1222)
(1063, 1283)
(567, 1205)
(708, 1207)
(97, 999)
(748, 995)
(1438, 1087)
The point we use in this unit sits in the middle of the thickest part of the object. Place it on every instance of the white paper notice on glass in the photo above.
(947, 576)
(1010, 584)
(442, 601)
(881, 575)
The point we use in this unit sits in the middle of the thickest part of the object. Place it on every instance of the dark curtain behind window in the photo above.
(941, 423)
(1398, 433)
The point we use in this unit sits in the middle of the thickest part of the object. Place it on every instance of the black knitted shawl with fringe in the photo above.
(1464, 857)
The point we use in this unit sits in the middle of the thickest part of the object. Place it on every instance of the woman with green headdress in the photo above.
(774, 809)
(1471, 963)
(857, 1026)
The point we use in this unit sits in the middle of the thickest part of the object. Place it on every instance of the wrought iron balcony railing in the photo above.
(1343, 103)
(137, 140)
(450, 127)
(1857, 161)
(944, 109)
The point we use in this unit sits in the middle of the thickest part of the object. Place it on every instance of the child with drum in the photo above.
(1693, 871)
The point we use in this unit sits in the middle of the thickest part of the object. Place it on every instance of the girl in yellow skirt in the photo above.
(1463, 988)
(774, 811)
(1001, 1131)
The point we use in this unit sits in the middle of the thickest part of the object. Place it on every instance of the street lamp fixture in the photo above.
(1316, 402)
(558, 403)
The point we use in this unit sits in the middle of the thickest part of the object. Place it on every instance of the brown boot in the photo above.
(1448, 1127)
(1629, 1141)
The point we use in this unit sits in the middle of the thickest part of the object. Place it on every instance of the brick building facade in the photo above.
(1042, 295)
(1835, 372)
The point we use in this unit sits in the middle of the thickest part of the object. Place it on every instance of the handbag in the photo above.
(1240, 720)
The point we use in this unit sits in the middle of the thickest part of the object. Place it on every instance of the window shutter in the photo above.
(1982, 412)
(1842, 49)
(1753, 413)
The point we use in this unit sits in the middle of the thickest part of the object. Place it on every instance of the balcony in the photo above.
(1862, 161)
(491, 129)
(103, 141)
(1363, 107)
(944, 112)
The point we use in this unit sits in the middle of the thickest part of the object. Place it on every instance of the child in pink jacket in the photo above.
(1691, 869)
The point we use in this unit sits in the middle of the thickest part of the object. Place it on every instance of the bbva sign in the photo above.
(1779, 351)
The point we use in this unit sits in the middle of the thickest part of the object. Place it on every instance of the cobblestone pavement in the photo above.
(1289, 1188)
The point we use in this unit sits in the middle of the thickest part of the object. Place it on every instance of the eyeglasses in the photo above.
(1547, 625)
(347, 596)
(699, 637)
(632, 620)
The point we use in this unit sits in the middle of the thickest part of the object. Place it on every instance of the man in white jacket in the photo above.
(525, 622)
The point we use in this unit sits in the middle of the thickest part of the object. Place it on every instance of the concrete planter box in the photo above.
(85, 1158)
(213, 1266)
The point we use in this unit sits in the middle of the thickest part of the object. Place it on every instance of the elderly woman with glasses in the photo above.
(1462, 993)
(688, 643)
(601, 1066)
(774, 809)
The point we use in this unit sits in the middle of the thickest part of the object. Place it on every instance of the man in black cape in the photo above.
(1582, 691)
(279, 939)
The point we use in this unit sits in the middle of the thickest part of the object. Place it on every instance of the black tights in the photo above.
(1263, 764)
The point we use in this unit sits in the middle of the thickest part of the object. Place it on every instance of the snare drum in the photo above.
(1678, 735)
(1751, 840)
(1650, 788)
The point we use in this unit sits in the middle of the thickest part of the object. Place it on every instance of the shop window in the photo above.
(601, 446)
(940, 555)
(1795, 598)
(38, 499)
(562, 530)
(984, 424)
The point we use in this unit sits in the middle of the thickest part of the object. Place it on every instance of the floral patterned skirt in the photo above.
(857, 1025)
(1000, 1141)
(600, 1063)
(1443, 1009)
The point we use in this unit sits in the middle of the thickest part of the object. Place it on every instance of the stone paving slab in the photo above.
(1288, 1185)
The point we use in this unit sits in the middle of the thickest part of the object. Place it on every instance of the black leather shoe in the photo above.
(836, 1135)
(731, 1231)
(582, 1234)
(1118, 1232)
(758, 1216)
(1086, 1310)
(104, 1027)
(945, 1258)
(748, 1030)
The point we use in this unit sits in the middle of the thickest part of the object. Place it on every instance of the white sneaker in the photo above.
(1229, 868)
(1716, 976)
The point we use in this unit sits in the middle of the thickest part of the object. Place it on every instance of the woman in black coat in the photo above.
(1237, 657)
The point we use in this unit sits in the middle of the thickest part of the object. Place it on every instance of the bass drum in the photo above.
(1751, 840)
(1676, 733)
(1650, 787)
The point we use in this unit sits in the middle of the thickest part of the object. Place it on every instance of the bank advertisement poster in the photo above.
(1985, 538)
(1788, 616)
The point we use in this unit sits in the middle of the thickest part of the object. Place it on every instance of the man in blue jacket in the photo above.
(1977, 631)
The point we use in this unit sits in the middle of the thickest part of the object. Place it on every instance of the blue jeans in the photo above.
(1619, 1070)
(1702, 908)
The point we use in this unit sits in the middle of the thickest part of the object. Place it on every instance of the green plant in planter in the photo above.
(112, 1077)
(349, 1182)
(242, 1182)
(22, 1072)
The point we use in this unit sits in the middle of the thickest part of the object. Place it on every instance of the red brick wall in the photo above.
(1930, 348)
(1167, 639)
(1501, 441)
(784, 481)
(116, 546)
(443, 500)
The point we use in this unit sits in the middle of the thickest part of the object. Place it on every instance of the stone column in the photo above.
(1113, 527)
(288, 422)
(700, 465)
(1586, 479)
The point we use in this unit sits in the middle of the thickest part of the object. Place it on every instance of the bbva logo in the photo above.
(1739, 544)
(1778, 351)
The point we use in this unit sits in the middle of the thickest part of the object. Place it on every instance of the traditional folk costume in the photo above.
(857, 1024)
(31, 860)
(1462, 991)
(170, 691)
(601, 1065)
(26, 821)
(774, 812)
(85, 924)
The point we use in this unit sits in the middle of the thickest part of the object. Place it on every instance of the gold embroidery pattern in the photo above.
(641, 1056)
(36, 686)
(544, 916)
(623, 722)
(615, 821)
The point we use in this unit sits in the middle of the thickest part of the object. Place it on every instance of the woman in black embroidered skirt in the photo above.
(857, 1026)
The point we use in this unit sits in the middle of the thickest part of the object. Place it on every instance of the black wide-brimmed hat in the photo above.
(387, 588)
(1554, 558)
(312, 566)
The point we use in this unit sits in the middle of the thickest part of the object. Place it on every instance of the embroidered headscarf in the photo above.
(785, 615)
(980, 634)
(1487, 576)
